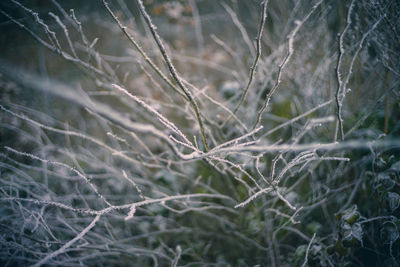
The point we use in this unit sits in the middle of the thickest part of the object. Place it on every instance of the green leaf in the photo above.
(383, 181)
(394, 200)
(352, 235)
(389, 232)
(351, 215)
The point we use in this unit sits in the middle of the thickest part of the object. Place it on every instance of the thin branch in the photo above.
(343, 91)
(69, 243)
(172, 70)
(308, 250)
(257, 56)
(140, 50)
(341, 51)
(290, 51)
(240, 27)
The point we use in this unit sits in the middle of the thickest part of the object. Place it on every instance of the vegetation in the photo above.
(191, 133)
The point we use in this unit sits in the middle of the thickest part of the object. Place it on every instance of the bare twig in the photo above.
(69, 243)
(290, 51)
(308, 251)
(339, 88)
(173, 71)
(257, 56)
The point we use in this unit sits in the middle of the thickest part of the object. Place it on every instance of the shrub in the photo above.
(200, 133)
